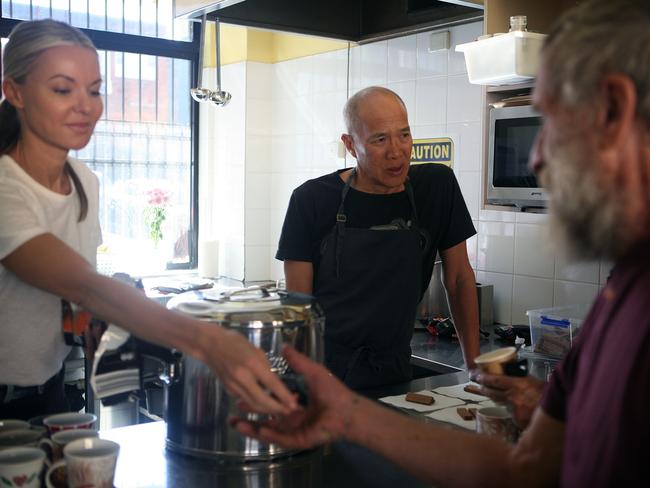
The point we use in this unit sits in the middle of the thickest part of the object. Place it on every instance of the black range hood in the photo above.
(351, 20)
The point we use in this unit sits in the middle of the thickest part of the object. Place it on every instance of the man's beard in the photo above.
(587, 220)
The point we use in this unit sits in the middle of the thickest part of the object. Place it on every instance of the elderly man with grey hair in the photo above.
(593, 154)
(364, 241)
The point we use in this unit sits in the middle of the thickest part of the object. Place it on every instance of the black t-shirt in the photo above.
(439, 204)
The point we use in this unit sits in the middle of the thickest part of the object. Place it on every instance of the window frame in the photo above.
(187, 50)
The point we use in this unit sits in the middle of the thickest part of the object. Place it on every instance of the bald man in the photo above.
(364, 241)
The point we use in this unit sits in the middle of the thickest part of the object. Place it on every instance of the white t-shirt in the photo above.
(32, 348)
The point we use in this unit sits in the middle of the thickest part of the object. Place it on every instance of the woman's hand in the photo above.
(326, 418)
(521, 394)
(245, 371)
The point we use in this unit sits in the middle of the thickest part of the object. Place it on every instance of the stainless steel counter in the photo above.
(145, 463)
(441, 355)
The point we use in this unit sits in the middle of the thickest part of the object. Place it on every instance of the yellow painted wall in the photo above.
(244, 44)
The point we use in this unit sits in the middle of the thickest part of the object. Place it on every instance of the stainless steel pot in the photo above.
(197, 404)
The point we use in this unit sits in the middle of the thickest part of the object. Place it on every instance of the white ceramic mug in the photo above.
(12, 424)
(89, 462)
(19, 438)
(21, 467)
(62, 438)
(68, 421)
(496, 421)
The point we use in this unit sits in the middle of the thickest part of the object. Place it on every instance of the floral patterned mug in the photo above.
(20, 467)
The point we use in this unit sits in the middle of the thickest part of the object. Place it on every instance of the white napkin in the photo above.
(457, 391)
(488, 403)
(450, 415)
(441, 401)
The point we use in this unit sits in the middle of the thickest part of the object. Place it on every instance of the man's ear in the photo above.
(349, 144)
(12, 92)
(617, 113)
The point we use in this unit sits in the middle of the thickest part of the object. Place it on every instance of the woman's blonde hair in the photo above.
(27, 41)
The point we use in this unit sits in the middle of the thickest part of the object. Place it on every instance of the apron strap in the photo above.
(341, 219)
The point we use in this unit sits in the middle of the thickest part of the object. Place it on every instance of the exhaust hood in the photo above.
(196, 8)
(350, 20)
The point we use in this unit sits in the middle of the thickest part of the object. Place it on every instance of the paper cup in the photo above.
(492, 362)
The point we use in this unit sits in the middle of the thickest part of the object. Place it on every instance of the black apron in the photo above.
(368, 283)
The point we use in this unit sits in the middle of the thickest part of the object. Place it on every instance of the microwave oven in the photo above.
(512, 133)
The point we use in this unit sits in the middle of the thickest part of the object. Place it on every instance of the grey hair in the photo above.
(351, 108)
(596, 38)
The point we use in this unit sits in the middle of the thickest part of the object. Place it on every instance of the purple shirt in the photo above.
(601, 390)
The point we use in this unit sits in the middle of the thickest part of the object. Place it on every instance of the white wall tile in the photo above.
(531, 218)
(470, 182)
(496, 216)
(529, 293)
(467, 145)
(258, 154)
(459, 35)
(355, 68)
(231, 260)
(293, 78)
(259, 78)
(373, 70)
(327, 113)
(402, 58)
(496, 246)
(276, 268)
(588, 272)
(257, 227)
(258, 116)
(257, 263)
(533, 256)
(330, 71)
(430, 63)
(430, 101)
(570, 293)
(406, 91)
(428, 131)
(463, 100)
(258, 191)
(502, 284)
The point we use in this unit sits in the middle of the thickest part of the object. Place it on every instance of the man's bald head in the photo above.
(355, 102)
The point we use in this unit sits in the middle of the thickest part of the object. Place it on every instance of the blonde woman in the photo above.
(49, 233)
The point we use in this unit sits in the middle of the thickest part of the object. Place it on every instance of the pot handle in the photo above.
(171, 373)
(265, 291)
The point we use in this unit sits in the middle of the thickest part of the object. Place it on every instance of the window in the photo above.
(143, 148)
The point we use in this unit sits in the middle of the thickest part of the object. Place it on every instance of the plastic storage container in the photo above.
(552, 330)
(503, 59)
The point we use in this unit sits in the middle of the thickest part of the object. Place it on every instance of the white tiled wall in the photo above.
(283, 127)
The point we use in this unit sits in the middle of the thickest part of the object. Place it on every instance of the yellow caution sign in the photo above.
(439, 150)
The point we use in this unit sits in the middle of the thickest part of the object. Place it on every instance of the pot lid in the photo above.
(255, 306)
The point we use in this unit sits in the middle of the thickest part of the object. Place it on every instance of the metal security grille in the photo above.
(151, 18)
(143, 145)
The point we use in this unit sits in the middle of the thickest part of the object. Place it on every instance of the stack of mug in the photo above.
(65, 451)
